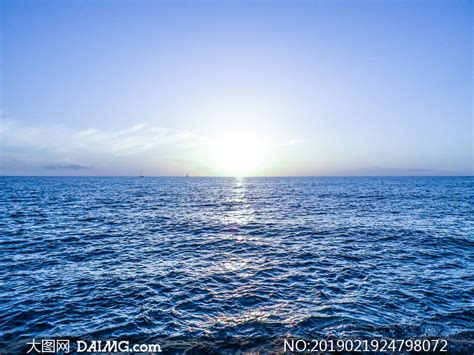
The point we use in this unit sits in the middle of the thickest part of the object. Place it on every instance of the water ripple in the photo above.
(235, 262)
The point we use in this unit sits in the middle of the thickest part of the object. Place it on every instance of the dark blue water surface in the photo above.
(236, 263)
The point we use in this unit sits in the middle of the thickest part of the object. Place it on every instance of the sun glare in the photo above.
(238, 154)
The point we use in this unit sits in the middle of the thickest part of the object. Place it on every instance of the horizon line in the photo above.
(236, 176)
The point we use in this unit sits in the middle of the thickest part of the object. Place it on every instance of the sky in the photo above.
(300, 87)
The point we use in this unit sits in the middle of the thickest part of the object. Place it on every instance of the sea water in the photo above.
(236, 263)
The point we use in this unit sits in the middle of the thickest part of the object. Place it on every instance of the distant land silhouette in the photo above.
(387, 171)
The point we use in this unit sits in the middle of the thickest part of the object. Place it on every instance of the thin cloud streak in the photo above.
(59, 138)
(293, 142)
(44, 147)
(60, 166)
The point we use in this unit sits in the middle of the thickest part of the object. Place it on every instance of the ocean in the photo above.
(228, 264)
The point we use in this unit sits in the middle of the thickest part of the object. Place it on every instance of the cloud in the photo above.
(128, 141)
(60, 166)
(34, 149)
(60, 138)
(293, 142)
(42, 147)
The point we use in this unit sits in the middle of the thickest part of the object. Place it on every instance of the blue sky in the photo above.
(316, 87)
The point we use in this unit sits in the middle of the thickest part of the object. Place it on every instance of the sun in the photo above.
(238, 154)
